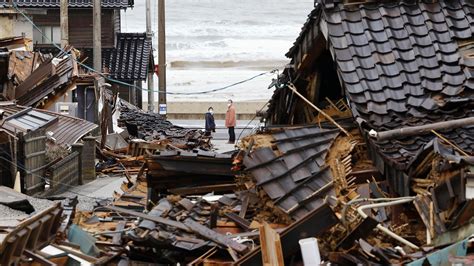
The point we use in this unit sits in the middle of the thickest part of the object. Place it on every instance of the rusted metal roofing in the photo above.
(72, 3)
(69, 130)
(297, 180)
(51, 78)
(66, 129)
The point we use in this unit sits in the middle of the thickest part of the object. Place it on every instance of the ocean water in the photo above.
(214, 43)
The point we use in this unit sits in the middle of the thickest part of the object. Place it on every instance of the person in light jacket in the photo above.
(230, 121)
(210, 124)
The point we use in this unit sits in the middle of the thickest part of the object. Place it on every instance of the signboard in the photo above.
(162, 110)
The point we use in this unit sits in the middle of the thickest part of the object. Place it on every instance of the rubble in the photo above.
(357, 154)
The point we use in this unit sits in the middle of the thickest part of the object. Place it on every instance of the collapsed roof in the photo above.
(400, 64)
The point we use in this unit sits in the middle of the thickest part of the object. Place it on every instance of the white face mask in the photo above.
(211, 111)
(228, 105)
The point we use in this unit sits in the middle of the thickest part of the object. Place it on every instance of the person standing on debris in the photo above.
(230, 121)
(210, 124)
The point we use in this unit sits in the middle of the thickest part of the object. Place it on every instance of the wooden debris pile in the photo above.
(223, 227)
(374, 225)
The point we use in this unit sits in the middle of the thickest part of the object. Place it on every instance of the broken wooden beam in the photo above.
(214, 236)
(238, 220)
(314, 224)
(159, 220)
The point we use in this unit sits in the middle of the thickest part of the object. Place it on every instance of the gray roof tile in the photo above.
(73, 3)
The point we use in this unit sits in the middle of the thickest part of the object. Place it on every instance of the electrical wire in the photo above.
(128, 84)
(51, 181)
(255, 116)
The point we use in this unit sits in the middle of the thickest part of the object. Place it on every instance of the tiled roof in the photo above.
(297, 179)
(131, 58)
(72, 3)
(402, 64)
(127, 62)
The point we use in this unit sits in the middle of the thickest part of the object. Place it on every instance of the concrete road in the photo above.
(244, 127)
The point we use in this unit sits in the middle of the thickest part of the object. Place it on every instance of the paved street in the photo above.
(220, 137)
(243, 127)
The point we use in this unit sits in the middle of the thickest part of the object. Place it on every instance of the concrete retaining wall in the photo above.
(196, 110)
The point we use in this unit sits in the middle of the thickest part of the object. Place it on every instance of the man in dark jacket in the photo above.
(210, 124)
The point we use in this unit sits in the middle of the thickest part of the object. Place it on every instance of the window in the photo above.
(51, 34)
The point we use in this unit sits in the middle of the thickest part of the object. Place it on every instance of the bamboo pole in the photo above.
(328, 117)
(450, 143)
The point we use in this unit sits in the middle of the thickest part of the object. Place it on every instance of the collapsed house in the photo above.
(403, 69)
(369, 148)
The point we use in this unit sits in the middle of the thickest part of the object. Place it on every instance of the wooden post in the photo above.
(161, 56)
(97, 38)
(64, 23)
(149, 34)
(272, 253)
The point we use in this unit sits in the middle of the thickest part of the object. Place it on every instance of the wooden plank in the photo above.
(272, 253)
(238, 220)
(117, 238)
(214, 236)
(203, 189)
(244, 206)
(159, 220)
(186, 203)
(38, 258)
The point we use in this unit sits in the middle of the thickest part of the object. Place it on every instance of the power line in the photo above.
(255, 116)
(52, 181)
(133, 85)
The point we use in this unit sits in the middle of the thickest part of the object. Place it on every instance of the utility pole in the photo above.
(149, 34)
(64, 23)
(97, 38)
(161, 57)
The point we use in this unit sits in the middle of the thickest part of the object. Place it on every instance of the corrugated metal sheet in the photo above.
(72, 3)
(27, 120)
(66, 130)
(297, 180)
(51, 77)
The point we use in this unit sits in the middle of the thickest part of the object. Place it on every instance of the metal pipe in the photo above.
(344, 209)
(384, 229)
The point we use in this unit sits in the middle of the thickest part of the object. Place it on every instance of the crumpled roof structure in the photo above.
(405, 64)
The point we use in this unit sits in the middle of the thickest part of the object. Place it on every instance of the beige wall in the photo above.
(6, 30)
(15, 25)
